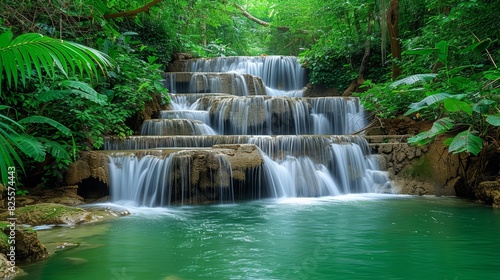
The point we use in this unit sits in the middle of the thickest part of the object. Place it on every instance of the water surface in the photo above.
(343, 237)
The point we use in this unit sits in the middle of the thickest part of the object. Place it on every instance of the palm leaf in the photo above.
(55, 149)
(81, 89)
(30, 146)
(432, 99)
(8, 155)
(86, 91)
(438, 127)
(45, 53)
(410, 80)
(44, 120)
(466, 141)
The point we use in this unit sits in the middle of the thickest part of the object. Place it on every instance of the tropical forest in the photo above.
(249, 139)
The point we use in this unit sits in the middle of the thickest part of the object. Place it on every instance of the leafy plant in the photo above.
(22, 58)
(46, 55)
(466, 100)
(389, 100)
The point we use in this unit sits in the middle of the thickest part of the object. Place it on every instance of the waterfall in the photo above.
(277, 72)
(219, 104)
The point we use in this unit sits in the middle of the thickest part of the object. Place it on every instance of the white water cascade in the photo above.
(305, 143)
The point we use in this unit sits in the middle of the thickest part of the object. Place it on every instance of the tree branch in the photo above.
(250, 17)
(259, 21)
(132, 13)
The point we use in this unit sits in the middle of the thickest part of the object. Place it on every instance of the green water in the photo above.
(347, 237)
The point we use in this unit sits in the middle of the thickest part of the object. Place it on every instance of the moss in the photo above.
(421, 168)
(3, 237)
(47, 213)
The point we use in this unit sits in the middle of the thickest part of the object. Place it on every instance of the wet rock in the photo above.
(27, 246)
(489, 192)
(7, 271)
(66, 195)
(413, 187)
(66, 245)
(89, 164)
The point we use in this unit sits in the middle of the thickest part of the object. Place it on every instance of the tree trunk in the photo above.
(392, 26)
(365, 61)
(383, 27)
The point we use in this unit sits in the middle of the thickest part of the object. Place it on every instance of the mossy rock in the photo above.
(421, 168)
(51, 213)
(27, 246)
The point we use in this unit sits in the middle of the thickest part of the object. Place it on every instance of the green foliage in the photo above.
(47, 54)
(439, 127)
(328, 67)
(18, 57)
(391, 99)
(60, 96)
(458, 23)
(469, 100)
(154, 36)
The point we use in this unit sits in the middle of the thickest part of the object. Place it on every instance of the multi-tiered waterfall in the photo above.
(240, 128)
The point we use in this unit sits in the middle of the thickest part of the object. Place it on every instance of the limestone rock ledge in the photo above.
(428, 170)
(489, 192)
(89, 165)
(206, 167)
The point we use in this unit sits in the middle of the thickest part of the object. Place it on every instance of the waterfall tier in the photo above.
(277, 72)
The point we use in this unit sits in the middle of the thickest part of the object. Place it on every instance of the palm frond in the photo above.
(81, 89)
(410, 80)
(30, 146)
(31, 50)
(44, 120)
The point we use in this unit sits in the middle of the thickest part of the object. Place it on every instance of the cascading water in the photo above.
(303, 150)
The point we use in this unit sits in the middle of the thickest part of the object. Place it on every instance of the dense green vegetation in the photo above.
(432, 59)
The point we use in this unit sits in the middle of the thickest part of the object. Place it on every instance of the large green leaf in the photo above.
(432, 99)
(493, 120)
(481, 46)
(422, 51)
(483, 105)
(44, 120)
(81, 89)
(443, 51)
(466, 141)
(413, 79)
(30, 146)
(453, 105)
(85, 91)
(55, 149)
(41, 52)
(440, 126)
